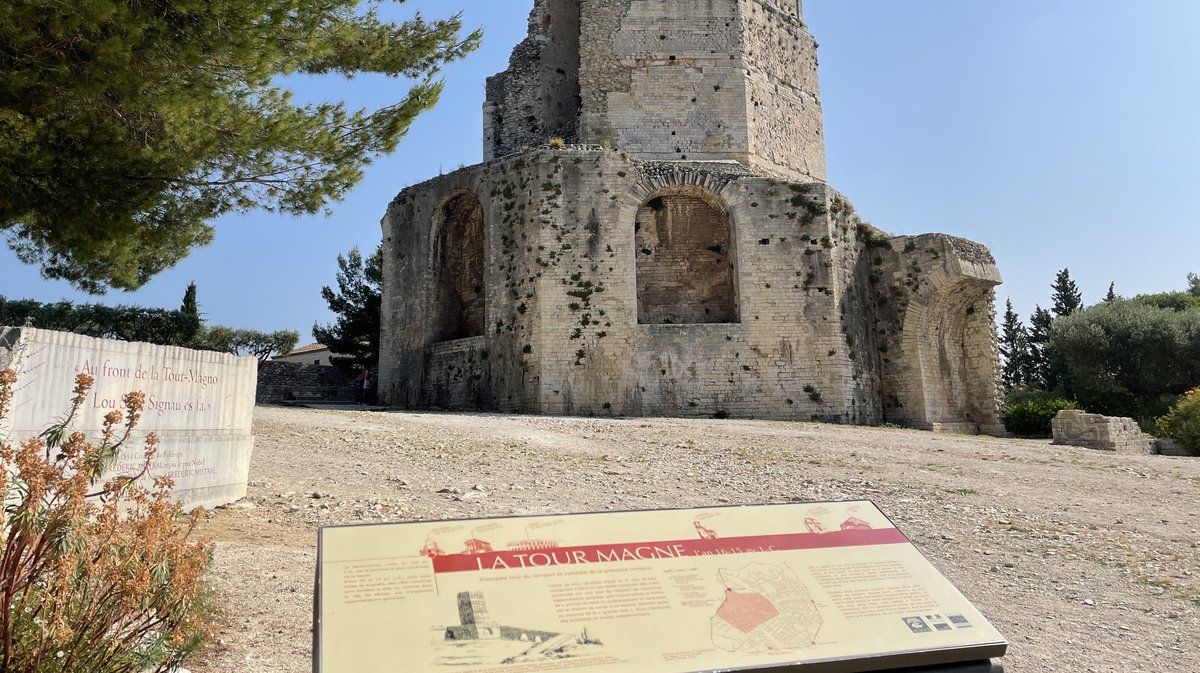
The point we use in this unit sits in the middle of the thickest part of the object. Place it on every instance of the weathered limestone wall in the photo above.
(671, 80)
(936, 333)
(1170, 447)
(789, 315)
(429, 355)
(682, 255)
(786, 131)
(200, 403)
(288, 381)
(537, 98)
(789, 356)
(1103, 433)
(791, 8)
(685, 260)
(665, 90)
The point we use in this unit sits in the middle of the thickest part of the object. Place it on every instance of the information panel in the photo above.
(830, 586)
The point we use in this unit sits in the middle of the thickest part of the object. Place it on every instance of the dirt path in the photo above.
(1086, 561)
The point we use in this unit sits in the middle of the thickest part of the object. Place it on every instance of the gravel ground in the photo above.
(1086, 561)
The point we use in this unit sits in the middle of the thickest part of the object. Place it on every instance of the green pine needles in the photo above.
(126, 126)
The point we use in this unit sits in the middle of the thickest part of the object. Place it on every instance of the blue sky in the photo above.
(1061, 133)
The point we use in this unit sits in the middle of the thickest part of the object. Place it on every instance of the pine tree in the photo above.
(127, 127)
(357, 303)
(1066, 297)
(1112, 293)
(1041, 374)
(1193, 285)
(1014, 346)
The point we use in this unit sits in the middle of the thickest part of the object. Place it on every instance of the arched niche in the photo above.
(686, 261)
(458, 258)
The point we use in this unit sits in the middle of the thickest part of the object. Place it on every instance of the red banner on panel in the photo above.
(551, 555)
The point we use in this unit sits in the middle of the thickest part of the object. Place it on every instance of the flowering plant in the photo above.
(94, 577)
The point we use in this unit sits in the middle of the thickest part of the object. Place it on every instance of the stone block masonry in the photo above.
(290, 381)
(678, 252)
(538, 97)
(1108, 433)
(1170, 447)
(614, 286)
(199, 403)
(685, 80)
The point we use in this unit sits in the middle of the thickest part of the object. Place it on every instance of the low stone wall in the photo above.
(1106, 433)
(290, 382)
(199, 403)
(1103, 433)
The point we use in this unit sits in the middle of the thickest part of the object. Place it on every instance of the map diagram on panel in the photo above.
(766, 609)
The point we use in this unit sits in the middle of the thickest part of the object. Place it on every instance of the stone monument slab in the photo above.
(826, 587)
(199, 403)
(1074, 427)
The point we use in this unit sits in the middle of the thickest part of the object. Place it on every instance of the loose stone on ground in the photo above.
(1029, 532)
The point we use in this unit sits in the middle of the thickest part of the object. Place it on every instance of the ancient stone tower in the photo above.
(665, 80)
(651, 233)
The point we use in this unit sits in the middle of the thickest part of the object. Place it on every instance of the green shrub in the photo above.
(123, 323)
(1028, 412)
(1175, 301)
(1130, 357)
(1182, 422)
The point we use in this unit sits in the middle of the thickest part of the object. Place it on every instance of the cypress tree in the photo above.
(1041, 374)
(1014, 346)
(189, 306)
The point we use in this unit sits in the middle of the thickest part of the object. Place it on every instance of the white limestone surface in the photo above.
(199, 403)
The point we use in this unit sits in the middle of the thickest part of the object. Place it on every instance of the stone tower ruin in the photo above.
(665, 81)
(651, 233)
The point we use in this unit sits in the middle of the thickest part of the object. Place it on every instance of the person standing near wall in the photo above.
(360, 390)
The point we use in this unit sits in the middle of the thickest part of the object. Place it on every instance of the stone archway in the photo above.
(459, 254)
(941, 370)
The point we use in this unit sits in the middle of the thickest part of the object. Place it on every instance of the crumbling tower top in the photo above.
(665, 80)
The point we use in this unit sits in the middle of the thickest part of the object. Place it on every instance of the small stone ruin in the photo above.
(1072, 427)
